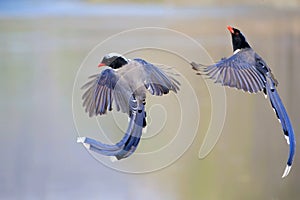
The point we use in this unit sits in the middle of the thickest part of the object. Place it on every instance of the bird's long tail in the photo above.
(129, 142)
(285, 123)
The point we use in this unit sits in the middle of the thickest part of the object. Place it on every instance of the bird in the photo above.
(124, 83)
(247, 71)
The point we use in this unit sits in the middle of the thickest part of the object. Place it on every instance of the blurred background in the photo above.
(42, 45)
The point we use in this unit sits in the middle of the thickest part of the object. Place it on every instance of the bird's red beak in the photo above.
(230, 29)
(101, 65)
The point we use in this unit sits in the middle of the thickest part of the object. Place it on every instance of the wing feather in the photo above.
(157, 81)
(235, 72)
(102, 90)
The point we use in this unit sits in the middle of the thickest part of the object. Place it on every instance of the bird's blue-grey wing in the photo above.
(102, 90)
(238, 71)
(157, 81)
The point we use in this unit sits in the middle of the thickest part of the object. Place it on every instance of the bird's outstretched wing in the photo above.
(129, 142)
(238, 71)
(156, 81)
(102, 90)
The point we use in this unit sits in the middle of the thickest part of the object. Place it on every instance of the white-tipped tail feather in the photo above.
(286, 171)
(113, 159)
(145, 129)
(82, 140)
(287, 139)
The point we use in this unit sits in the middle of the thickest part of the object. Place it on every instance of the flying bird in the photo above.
(247, 71)
(125, 84)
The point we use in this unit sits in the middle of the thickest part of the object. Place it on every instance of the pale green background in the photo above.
(42, 44)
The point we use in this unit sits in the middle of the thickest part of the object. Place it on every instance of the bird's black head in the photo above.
(238, 39)
(113, 60)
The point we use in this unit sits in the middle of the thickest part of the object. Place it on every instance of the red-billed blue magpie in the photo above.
(125, 83)
(247, 71)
